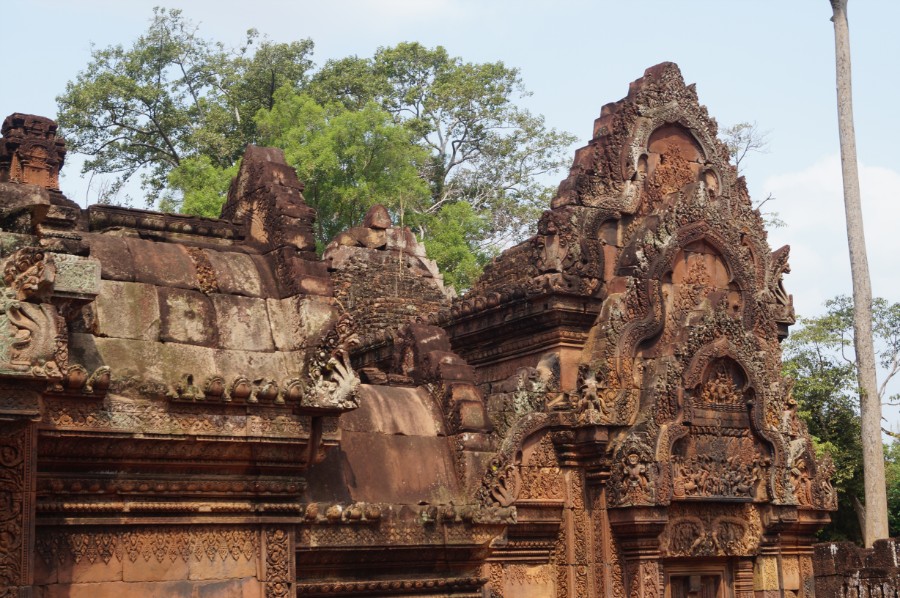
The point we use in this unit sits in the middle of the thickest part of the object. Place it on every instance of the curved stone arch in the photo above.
(693, 376)
(510, 453)
(650, 316)
(724, 347)
(675, 116)
(746, 277)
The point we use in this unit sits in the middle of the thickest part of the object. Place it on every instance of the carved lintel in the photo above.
(638, 528)
(18, 403)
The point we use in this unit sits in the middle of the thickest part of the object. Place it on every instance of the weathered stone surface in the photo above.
(257, 364)
(373, 238)
(127, 310)
(236, 273)
(144, 361)
(168, 589)
(267, 196)
(297, 322)
(77, 277)
(243, 323)
(23, 206)
(403, 240)
(222, 569)
(398, 469)
(162, 264)
(114, 255)
(187, 317)
(30, 151)
(378, 218)
(387, 410)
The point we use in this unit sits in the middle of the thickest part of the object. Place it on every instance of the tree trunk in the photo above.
(876, 525)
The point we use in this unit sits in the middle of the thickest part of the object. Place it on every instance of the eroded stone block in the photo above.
(236, 273)
(163, 264)
(297, 322)
(187, 317)
(127, 310)
(243, 323)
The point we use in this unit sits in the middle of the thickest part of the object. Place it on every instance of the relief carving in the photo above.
(159, 543)
(633, 477)
(14, 486)
(32, 334)
(332, 383)
(278, 564)
(711, 530)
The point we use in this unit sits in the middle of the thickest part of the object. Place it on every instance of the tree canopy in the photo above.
(444, 143)
(819, 358)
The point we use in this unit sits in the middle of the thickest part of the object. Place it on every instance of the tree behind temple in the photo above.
(876, 522)
(172, 95)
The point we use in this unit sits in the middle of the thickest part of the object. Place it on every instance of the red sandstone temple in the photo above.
(204, 408)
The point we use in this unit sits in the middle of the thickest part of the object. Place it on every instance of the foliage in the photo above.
(741, 140)
(819, 358)
(744, 138)
(456, 227)
(892, 475)
(349, 160)
(484, 149)
(202, 184)
(170, 96)
(411, 127)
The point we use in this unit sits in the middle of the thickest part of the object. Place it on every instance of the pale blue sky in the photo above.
(771, 61)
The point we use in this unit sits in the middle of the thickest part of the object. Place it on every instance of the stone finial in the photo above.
(267, 195)
(377, 217)
(30, 151)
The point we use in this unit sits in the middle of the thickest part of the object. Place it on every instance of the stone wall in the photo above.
(382, 276)
(844, 570)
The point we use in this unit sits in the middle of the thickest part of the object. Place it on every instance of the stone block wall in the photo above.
(382, 276)
(844, 570)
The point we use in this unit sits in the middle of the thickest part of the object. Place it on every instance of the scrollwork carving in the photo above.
(332, 383)
(278, 564)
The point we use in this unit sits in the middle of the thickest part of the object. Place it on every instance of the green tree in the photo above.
(484, 149)
(202, 187)
(892, 476)
(819, 357)
(172, 95)
(179, 109)
(348, 159)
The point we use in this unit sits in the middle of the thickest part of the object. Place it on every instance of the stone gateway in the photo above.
(205, 408)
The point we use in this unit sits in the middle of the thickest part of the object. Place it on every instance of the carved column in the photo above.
(17, 495)
(279, 563)
(637, 531)
(743, 578)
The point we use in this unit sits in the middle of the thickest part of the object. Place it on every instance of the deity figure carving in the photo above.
(801, 482)
(591, 405)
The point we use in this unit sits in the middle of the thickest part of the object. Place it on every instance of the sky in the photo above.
(768, 61)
